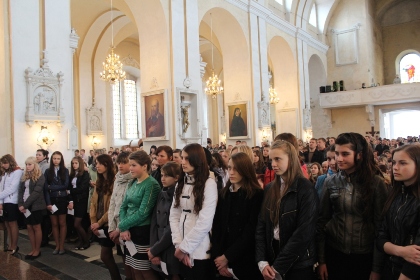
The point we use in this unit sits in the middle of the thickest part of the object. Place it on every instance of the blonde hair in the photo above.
(243, 149)
(34, 174)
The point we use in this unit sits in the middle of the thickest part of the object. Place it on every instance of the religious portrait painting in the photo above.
(154, 115)
(238, 120)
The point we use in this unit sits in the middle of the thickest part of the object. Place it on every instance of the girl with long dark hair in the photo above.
(399, 236)
(136, 213)
(285, 234)
(99, 211)
(31, 197)
(9, 188)
(192, 214)
(55, 190)
(351, 205)
(79, 191)
(235, 221)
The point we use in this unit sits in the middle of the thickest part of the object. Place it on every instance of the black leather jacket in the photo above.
(341, 224)
(297, 223)
(401, 226)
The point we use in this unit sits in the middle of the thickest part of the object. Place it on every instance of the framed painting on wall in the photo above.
(155, 121)
(238, 120)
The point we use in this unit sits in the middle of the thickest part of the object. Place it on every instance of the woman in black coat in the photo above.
(235, 221)
(79, 193)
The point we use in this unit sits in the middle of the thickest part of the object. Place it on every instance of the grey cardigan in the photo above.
(35, 201)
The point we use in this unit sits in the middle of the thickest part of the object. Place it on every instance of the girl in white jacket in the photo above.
(192, 213)
(9, 188)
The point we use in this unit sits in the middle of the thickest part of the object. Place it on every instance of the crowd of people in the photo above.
(345, 207)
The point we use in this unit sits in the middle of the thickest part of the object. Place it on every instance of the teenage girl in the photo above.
(192, 213)
(136, 213)
(99, 211)
(332, 169)
(315, 170)
(122, 179)
(9, 188)
(161, 247)
(233, 232)
(285, 234)
(79, 191)
(351, 208)
(31, 197)
(399, 236)
(55, 190)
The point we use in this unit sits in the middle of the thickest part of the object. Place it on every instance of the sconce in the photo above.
(308, 135)
(264, 135)
(45, 138)
(223, 137)
(95, 142)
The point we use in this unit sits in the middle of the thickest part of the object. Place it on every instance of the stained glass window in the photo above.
(410, 68)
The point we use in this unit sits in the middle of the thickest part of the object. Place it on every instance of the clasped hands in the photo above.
(183, 257)
(221, 263)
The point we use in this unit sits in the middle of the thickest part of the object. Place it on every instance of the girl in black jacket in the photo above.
(161, 247)
(399, 235)
(55, 191)
(285, 235)
(233, 232)
(79, 193)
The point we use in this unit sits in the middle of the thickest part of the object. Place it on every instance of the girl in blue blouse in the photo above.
(135, 215)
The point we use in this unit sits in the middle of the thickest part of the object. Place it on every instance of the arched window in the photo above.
(125, 110)
(409, 68)
(313, 19)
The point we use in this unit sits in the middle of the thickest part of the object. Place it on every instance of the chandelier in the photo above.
(112, 66)
(45, 138)
(213, 87)
(273, 95)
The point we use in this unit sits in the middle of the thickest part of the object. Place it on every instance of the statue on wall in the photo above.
(185, 122)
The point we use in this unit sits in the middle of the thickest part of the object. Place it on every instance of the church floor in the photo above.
(72, 265)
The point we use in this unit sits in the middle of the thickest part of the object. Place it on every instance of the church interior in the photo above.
(315, 68)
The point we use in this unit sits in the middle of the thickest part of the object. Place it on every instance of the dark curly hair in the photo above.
(197, 159)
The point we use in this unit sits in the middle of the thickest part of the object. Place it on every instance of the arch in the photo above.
(231, 60)
(317, 77)
(400, 56)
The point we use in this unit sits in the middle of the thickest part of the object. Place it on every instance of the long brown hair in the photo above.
(103, 185)
(61, 171)
(260, 164)
(274, 195)
(80, 170)
(244, 167)
(413, 151)
(11, 161)
(197, 159)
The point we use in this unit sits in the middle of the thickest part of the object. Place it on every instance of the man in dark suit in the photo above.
(313, 155)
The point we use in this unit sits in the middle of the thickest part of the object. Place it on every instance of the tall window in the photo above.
(313, 20)
(125, 108)
(410, 68)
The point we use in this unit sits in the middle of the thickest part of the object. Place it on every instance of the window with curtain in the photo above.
(125, 110)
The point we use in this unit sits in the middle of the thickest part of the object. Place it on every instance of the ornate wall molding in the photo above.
(389, 94)
(94, 121)
(346, 45)
(130, 61)
(43, 94)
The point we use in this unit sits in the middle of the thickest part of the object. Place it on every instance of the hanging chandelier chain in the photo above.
(112, 67)
(211, 42)
(112, 27)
